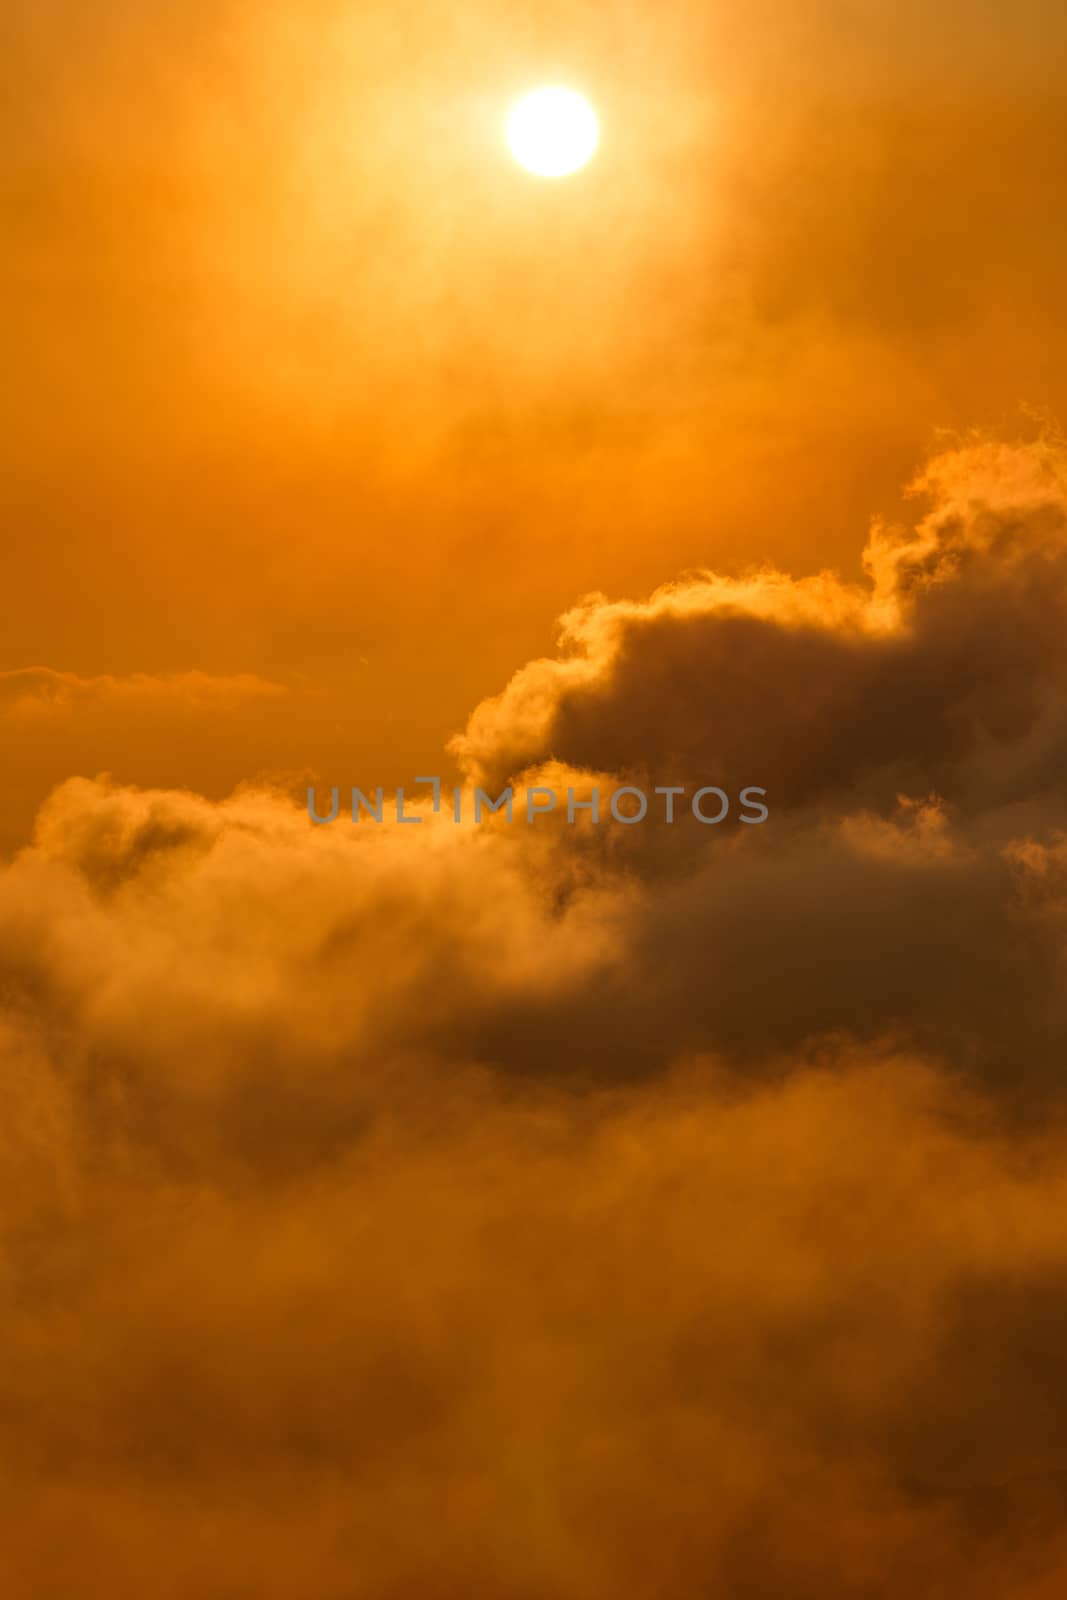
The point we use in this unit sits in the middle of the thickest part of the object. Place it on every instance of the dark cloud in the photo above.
(553, 1213)
(569, 1211)
(945, 673)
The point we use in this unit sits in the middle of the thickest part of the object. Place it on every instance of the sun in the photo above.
(552, 132)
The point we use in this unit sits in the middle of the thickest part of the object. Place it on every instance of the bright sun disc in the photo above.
(553, 132)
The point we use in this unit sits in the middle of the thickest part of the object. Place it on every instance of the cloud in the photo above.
(559, 1212)
(181, 727)
(945, 672)
(40, 691)
(579, 1348)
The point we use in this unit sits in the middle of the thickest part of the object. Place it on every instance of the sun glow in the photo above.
(552, 132)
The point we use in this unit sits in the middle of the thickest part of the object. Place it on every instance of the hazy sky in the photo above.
(307, 380)
(533, 1213)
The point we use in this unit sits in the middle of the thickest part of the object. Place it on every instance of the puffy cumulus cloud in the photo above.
(564, 1211)
(945, 672)
(231, 959)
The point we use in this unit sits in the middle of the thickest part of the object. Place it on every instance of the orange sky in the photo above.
(306, 380)
(507, 1212)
